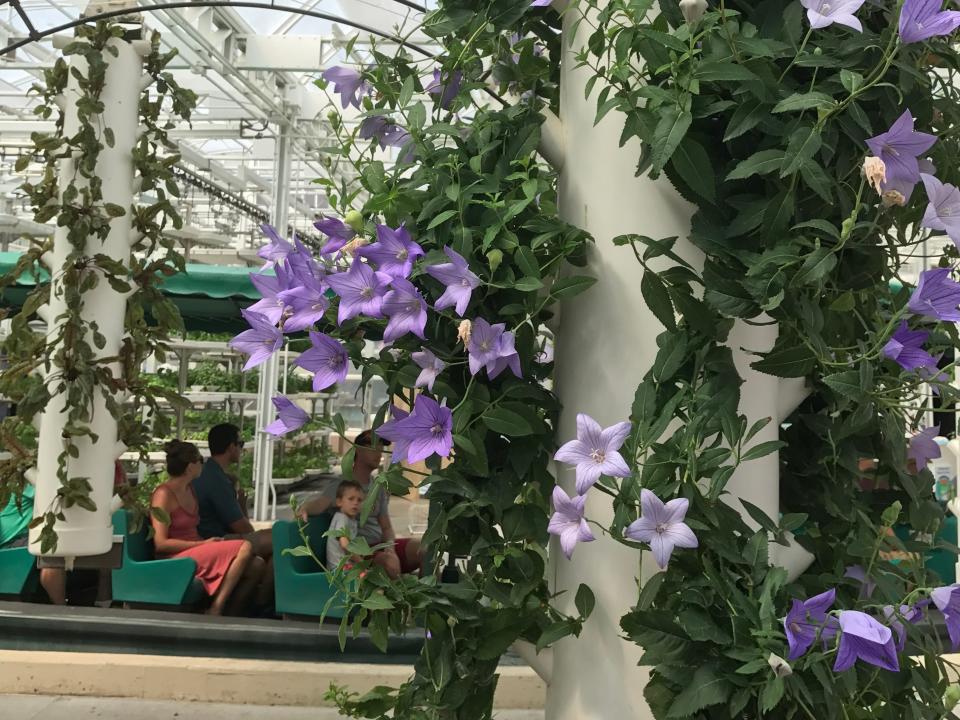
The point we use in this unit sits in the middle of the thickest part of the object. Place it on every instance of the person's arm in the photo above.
(227, 508)
(314, 506)
(162, 542)
(386, 527)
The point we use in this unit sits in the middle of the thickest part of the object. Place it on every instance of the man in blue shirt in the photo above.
(220, 512)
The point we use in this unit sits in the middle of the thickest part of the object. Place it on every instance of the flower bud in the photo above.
(951, 697)
(781, 668)
(893, 197)
(351, 247)
(875, 171)
(693, 10)
(463, 331)
(354, 219)
(494, 258)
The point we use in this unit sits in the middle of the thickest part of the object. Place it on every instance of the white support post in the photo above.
(600, 359)
(83, 532)
(263, 445)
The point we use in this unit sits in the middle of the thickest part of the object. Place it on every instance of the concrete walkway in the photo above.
(44, 707)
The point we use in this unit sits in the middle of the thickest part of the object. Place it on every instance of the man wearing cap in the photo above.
(401, 554)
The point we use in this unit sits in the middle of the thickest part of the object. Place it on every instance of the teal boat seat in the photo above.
(18, 572)
(301, 585)
(144, 579)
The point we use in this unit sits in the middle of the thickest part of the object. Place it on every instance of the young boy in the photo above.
(349, 501)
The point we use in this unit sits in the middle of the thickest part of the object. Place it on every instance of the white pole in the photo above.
(263, 447)
(600, 359)
(84, 532)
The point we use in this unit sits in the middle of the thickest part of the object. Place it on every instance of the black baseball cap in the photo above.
(368, 439)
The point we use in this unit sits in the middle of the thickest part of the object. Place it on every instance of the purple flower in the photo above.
(458, 278)
(936, 296)
(338, 232)
(277, 249)
(484, 343)
(805, 618)
(400, 139)
(541, 3)
(303, 268)
(326, 359)
(271, 285)
(445, 86)
(899, 147)
(923, 448)
(567, 521)
(822, 13)
(947, 600)
(943, 212)
(507, 357)
(910, 614)
(261, 341)
(407, 310)
(385, 431)
(595, 451)
(348, 83)
(290, 417)
(867, 585)
(922, 19)
(309, 305)
(427, 431)
(361, 291)
(430, 367)
(863, 638)
(378, 127)
(905, 347)
(662, 526)
(394, 251)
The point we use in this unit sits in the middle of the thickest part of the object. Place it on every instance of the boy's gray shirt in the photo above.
(334, 552)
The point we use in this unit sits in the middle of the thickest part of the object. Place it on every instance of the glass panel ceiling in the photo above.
(240, 86)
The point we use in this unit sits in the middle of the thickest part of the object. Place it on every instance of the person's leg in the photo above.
(54, 581)
(389, 562)
(234, 573)
(265, 591)
(408, 550)
(262, 541)
(238, 602)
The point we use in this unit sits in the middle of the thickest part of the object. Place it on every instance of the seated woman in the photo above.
(228, 569)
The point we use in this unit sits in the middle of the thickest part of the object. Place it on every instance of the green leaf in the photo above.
(777, 215)
(816, 266)
(377, 602)
(762, 449)
(760, 163)
(707, 688)
(846, 383)
(722, 71)
(692, 163)
(787, 362)
(649, 590)
(657, 298)
(671, 129)
(698, 624)
(527, 262)
(441, 218)
(746, 117)
(528, 284)
(108, 137)
(804, 144)
(844, 303)
(772, 694)
(506, 422)
(569, 286)
(803, 101)
(584, 601)
(851, 80)
(816, 179)
(557, 631)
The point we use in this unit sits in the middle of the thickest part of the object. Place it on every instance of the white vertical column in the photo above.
(269, 371)
(84, 532)
(605, 344)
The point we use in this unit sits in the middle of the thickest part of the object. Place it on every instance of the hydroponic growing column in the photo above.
(86, 532)
(605, 344)
(269, 371)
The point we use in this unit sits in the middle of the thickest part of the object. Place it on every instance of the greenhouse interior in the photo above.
(471, 359)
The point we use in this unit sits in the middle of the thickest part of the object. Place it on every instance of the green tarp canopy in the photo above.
(209, 297)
